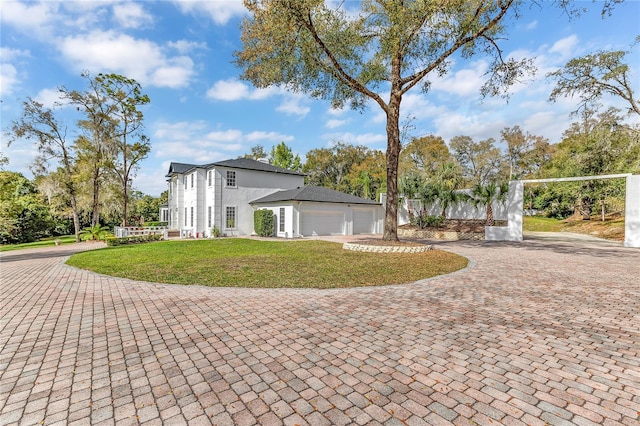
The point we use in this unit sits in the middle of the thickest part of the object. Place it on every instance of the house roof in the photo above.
(179, 168)
(313, 193)
(238, 163)
(250, 164)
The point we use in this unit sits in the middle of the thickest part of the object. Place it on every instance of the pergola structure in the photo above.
(515, 208)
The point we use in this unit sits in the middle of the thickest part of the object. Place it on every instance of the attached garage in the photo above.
(322, 223)
(363, 221)
(319, 211)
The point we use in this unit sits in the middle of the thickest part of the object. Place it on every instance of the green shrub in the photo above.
(156, 223)
(134, 239)
(263, 223)
(423, 220)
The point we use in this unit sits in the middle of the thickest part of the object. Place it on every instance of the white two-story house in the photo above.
(225, 194)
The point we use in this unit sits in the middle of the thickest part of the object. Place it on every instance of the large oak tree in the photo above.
(377, 53)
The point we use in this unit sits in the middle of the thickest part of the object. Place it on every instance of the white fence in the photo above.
(129, 231)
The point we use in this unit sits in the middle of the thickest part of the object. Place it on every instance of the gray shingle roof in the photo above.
(250, 164)
(238, 163)
(313, 193)
(179, 168)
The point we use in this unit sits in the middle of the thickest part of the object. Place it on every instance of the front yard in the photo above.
(237, 262)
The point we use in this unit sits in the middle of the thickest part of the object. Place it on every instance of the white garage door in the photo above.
(362, 221)
(322, 223)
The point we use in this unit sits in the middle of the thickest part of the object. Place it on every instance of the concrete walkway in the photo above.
(540, 332)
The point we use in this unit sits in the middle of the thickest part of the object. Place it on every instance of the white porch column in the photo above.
(632, 212)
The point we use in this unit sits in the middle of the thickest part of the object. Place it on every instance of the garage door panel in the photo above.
(322, 223)
(362, 221)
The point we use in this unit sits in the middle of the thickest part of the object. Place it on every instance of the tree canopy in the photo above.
(377, 54)
(591, 76)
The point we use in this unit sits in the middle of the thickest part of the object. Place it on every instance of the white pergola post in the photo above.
(515, 207)
(632, 213)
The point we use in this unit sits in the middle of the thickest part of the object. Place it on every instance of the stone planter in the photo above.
(430, 234)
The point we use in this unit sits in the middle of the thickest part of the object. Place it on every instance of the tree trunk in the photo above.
(393, 154)
(76, 218)
(586, 209)
(95, 204)
(490, 220)
(124, 204)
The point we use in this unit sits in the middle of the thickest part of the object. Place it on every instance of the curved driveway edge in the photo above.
(535, 333)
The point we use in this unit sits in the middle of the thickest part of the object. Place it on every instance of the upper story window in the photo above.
(192, 179)
(209, 177)
(231, 178)
(185, 182)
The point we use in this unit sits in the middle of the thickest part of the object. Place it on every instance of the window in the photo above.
(281, 219)
(192, 175)
(209, 217)
(230, 217)
(209, 176)
(231, 178)
(185, 182)
(192, 216)
(185, 216)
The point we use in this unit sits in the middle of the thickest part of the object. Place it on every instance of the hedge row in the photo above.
(135, 239)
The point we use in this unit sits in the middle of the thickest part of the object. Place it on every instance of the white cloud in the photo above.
(532, 25)
(477, 125)
(565, 47)
(219, 11)
(139, 59)
(221, 137)
(131, 15)
(186, 46)
(48, 97)
(9, 77)
(235, 90)
(293, 105)
(367, 139)
(194, 142)
(333, 123)
(32, 17)
(465, 82)
(268, 136)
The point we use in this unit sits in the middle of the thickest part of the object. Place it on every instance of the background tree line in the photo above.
(85, 168)
(433, 170)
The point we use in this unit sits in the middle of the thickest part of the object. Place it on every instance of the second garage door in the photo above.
(362, 221)
(322, 223)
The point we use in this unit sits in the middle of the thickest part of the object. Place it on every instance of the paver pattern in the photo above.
(532, 333)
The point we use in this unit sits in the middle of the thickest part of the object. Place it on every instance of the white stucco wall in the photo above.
(632, 213)
(463, 210)
(252, 185)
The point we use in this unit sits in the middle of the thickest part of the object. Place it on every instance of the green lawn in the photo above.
(237, 262)
(542, 224)
(612, 228)
(50, 241)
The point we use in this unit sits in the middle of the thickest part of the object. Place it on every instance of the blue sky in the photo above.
(200, 111)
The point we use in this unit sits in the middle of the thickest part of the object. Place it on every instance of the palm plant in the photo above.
(94, 233)
(485, 195)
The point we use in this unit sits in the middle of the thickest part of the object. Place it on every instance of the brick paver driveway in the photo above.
(532, 333)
